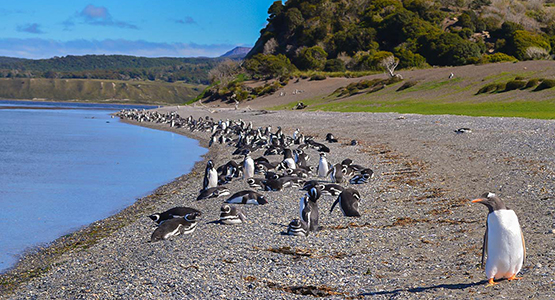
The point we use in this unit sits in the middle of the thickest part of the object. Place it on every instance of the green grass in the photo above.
(434, 85)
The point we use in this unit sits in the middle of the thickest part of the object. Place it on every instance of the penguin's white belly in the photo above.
(231, 220)
(248, 169)
(290, 163)
(322, 169)
(212, 178)
(505, 249)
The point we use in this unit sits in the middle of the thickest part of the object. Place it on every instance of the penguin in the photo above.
(332, 189)
(463, 130)
(175, 227)
(361, 178)
(210, 176)
(503, 241)
(273, 185)
(309, 208)
(354, 142)
(298, 228)
(288, 160)
(247, 197)
(301, 158)
(248, 167)
(336, 173)
(348, 203)
(312, 183)
(213, 192)
(176, 212)
(256, 183)
(323, 166)
(231, 215)
(330, 138)
(291, 181)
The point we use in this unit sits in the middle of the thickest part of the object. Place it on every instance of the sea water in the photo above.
(63, 166)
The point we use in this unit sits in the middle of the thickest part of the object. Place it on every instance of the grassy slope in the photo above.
(99, 90)
(434, 93)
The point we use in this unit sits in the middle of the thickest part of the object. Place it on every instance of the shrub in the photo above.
(489, 88)
(318, 77)
(313, 58)
(335, 65)
(407, 85)
(497, 57)
(546, 84)
(500, 87)
(515, 85)
(532, 83)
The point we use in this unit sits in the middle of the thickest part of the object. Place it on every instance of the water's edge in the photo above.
(41, 258)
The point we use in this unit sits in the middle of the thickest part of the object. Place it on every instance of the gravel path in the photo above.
(418, 237)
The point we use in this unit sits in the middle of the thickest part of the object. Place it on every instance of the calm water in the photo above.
(61, 169)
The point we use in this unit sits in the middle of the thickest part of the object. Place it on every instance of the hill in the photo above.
(356, 35)
(237, 53)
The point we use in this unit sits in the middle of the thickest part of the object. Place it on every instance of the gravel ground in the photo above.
(418, 237)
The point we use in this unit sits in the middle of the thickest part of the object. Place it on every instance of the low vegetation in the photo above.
(517, 84)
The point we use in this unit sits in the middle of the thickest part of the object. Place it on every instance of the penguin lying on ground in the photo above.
(297, 228)
(503, 241)
(213, 192)
(247, 197)
(231, 215)
(175, 227)
(176, 212)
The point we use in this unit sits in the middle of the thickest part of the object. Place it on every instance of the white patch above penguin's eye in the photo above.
(491, 195)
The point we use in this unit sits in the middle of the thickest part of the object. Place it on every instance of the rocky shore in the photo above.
(418, 237)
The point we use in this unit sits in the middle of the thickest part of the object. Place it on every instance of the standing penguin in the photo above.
(210, 176)
(323, 166)
(248, 166)
(348, 202)
(503, 241)
(309, 208)
(336, 173)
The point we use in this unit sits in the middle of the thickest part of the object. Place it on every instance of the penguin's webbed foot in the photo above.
(491, 282)
(514, 278)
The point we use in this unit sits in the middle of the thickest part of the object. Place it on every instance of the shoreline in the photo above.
(37, 259)
(418, 234)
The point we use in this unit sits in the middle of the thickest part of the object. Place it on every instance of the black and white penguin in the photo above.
(248, 166)
(336, 173)
(332, 189)
(503, 241)
(175, 227)
(297, 228)
(247, 197)
(231, 215)
(176, 212)
(312, 183)
(273, 184)
(291, 181)
(361, 178)
(257, 183)
(213, 192)
(309, 208)
(463, 130)
(348, 202)
(210, 176)
(288, 160)
(323, 166)
(330, 138)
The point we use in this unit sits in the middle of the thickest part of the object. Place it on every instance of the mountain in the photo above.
(237, 52)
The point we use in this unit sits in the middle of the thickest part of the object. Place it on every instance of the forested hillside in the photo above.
(115, 67)
(339, 35)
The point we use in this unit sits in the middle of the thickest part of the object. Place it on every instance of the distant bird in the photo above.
(176, 212)
(231, 215)
(213, 192)
(309, 208)
(298, 228)
(330, 138)
(463, 130)
(503, 241)
(348, 203)
(451, 75)
(175, 227)
(247, 197)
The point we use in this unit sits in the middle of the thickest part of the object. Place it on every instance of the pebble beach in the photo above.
(419, 237)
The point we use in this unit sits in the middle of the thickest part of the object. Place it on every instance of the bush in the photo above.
(335, 65)
(407, 85)
(515, 85)
(268, 65)
(489, 88)
(532, 83)
(546, 84)
(318, 77)
(497, 57)
(500, 87)
(313, 58)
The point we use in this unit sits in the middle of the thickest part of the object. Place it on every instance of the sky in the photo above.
(153, 28)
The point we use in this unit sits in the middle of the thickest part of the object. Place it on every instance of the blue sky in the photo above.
(153, 28)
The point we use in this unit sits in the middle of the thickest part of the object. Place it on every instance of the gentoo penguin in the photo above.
(213, 192)
(248, 166)
(309, 208)
(503, 241)
(298, 228)
(176, 212)
(288, 160)
(323, 166)
(175, 227)
(210, 176)
(231, 215)
(348, 202)
(247, 197)
(332, 189)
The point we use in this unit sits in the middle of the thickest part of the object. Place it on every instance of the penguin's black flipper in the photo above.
(334, 204)
(485, 247)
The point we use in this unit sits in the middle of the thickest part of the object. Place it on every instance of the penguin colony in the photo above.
(503, 243)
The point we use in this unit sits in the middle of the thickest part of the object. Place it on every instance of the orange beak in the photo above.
(477, 200)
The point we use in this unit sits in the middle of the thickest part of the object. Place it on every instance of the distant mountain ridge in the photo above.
(237, 52)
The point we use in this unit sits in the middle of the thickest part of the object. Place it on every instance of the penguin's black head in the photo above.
(491, 201)
(261, 200)
(155, 217)
(322, 154)
(193, 216)
(225, 208)
(347, 162)
(210, 164)
(314, 193)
